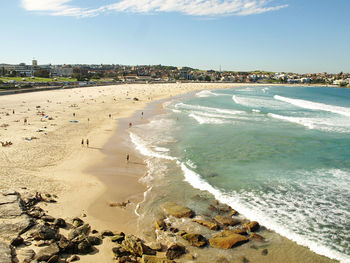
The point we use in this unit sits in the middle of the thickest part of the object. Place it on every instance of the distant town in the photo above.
(35, 75)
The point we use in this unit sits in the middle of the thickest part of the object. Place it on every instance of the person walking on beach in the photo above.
(127, 158)
(82, 142)
(87, 143)
(25, 121)
(130, 124)
(110, 115)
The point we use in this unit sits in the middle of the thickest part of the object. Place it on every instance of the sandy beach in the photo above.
(46, 130)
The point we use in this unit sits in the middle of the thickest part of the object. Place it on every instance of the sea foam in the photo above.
(306, 104)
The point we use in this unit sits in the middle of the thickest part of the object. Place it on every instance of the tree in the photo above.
(207, 78)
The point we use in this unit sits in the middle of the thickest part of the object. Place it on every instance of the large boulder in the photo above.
(45, 253)
(83, 230)
(208, 224)
(44, 232)
(176, 210)
(226, 220)
(84, 246)
(175, 251)
(251, 226)
(227, 239)
(195, 240)
(136, 247)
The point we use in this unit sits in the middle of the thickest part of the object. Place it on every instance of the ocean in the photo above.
(278, 155)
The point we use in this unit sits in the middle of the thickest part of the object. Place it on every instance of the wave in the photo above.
(207, 120)
(315, 105)
(208, 109)
(328, 125)
(234, 200)
(262, 102)
(208, 93)
(141, 146)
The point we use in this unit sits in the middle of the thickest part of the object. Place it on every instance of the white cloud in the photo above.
(187, 7)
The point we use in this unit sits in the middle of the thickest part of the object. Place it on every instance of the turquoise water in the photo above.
(279, 155)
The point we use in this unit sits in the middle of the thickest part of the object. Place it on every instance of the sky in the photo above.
(300, 36)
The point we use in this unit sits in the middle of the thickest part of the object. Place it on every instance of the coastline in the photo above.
(71, 174)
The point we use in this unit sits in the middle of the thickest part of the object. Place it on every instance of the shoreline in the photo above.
(71, 173)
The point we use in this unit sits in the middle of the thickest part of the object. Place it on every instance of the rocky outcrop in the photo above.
(176, 210)
(46, 253)
(44, 232)
(175, 251)
(13, 220)
(226, 220)
(227, 239)
(251, 226)
(136, 247)
(208, 224)
(257, 237)
(195, 240)
(5, 253)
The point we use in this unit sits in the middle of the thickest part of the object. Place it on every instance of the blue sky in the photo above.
(274, 35)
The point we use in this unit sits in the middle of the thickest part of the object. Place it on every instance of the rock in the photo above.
(227, 239)
(94, 231)
(133, 245)
(251, 226)
(47, 218)
(46, 253)
(224, 208)
(135, 99)
(84, 247)
(226, 220)
(107, 233)
(59, 222)
(254, 236)
(94, 240)
(264, 252)
(120, 251)
(233, 212)
(239, 231)
(175, 251)
(27, 254)
(195, 240)
(53, 259)
(155, 246)
(73, 258)
(5, 253)
(212, 208)
(44, 232)
(136, 247)
(64, 244)
(176, 210)
(160, 224)
(79, 231)
(208, 224)
(42, 243)
(118, 238)
(181, 233)
(154, 259)
(77, 222)
(17, 241)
